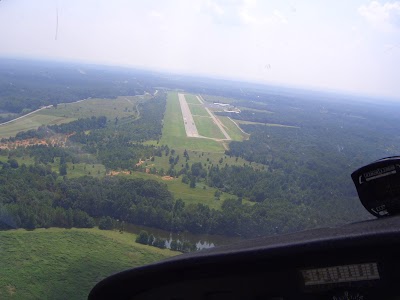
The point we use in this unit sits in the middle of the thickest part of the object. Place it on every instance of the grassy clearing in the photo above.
(191, 99)
(207, 159)
(73, 170)
(82, 169)
(183, 191)
(174, 134)
(66, 263)
(173, 121)
(196, 143)
(31, 122)
(189, 195)
(234, 132)
(207, 127)
(123, 106)
(220, 99)
(255, 110)
(8, 115)
(198, 110)
(266, 124)
(27, 160)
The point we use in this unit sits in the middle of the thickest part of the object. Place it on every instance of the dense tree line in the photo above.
(26, 198)
(32, 197)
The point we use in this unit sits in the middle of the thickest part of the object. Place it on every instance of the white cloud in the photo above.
(392, 47)
(241, 12)
(251, 19)
(214, 7)
(279, 17)
(383, 16)
(155, 14)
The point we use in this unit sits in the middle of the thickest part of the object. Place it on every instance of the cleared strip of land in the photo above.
(19, 118)
(198, 126)
(265, 124)
(218, 123)
(198, 110)
(174, 134)
(190, 126)
(215, 120)
(31, 122)
(192, 99)
(207, 128)
(235, 132)
(125, 106)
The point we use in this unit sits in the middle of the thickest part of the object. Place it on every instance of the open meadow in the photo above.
(191, 99)
(235, 133)
(60, 263)
(207, 128)
(121, 107)
(32, 122)
(198, 110)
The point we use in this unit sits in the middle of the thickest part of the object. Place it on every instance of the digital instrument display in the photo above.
(338, 274)
(378, 186)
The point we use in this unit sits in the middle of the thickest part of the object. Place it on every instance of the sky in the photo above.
(343, 45)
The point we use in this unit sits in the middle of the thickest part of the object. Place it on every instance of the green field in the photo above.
(220, 99)
(73, 170)
(8, 115)
(198, 110)
(31, 122)
(82, 169)
(255, 110)
(207, 159)
(266, 124)
(120, 107)
(123, 106)
(182, 190)
(174, 134)
(27, 160)
(66, 263)
(206, 127)
(189, 195)
(191, 99)
(234, 132)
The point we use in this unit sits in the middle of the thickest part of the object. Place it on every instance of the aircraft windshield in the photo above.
(133, 131)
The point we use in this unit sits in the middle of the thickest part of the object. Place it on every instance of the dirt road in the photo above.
(16, 119)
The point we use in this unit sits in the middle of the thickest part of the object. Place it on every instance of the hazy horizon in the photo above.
(346, 46)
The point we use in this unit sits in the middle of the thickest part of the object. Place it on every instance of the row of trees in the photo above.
(33, 197)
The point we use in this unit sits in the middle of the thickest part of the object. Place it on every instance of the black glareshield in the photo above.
(378, 186)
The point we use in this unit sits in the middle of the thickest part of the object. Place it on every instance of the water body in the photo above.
(202, 241)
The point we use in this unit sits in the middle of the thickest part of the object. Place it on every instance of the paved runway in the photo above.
(190, 126)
